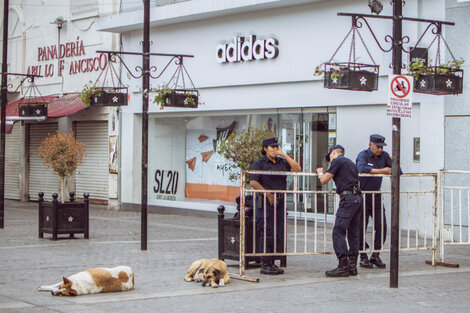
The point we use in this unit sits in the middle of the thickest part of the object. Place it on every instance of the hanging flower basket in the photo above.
(351, 76)
(182, 98)
(109, 96)
(32, 109)
(107, 90)
(179, 92)
(439, 80)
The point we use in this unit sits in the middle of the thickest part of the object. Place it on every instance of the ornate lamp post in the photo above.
(397, 40)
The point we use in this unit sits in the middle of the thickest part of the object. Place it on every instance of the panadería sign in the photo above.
(247, 49)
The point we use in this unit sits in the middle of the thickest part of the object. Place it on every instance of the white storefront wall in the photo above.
(34, 36)
(308, 34)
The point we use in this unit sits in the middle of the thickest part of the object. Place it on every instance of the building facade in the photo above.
(253, 64)
(58, 41)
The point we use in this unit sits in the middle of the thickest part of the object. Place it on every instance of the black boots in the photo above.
(269, 268)
(365, 261)
(341, 271)
(352, 265)
(375, 259)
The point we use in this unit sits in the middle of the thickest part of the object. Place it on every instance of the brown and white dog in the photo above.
(94, 280)
(212, 271)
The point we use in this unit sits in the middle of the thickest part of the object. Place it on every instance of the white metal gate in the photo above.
(41, 178)
(454, 209)
(92, 175)
(12, 164)
(308, 234)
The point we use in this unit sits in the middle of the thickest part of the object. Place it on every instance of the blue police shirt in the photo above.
(271, 182)
(344, 173)
(365, 162)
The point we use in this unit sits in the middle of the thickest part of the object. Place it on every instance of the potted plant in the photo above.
(444, 79)
(180, 98)
(244, 148)
(103, 96)
(63, 154)
(88, 93)
(350, 76)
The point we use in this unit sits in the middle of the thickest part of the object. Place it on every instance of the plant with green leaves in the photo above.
(160, 96)
(88, 93)
(244, 148)
(336, 72)
(420, 68)
(189, 101)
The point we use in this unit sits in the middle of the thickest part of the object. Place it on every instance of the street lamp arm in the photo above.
(357, 21)
(138, 70)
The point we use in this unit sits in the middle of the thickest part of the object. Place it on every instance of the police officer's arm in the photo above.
(256, 185)
(294, 166)
(364, 167)
(322, 176)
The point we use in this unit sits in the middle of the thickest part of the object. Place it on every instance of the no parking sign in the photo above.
(400, 91)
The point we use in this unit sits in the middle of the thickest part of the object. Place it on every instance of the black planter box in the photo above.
(109, 98)
(229, 240)
(177, 98)
(32, 109)
(63, 218)
(360, 80)
(438, 84)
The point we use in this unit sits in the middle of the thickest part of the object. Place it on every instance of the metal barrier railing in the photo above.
(454, 190)
(418, 217)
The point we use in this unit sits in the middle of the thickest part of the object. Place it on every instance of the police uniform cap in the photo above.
(327, 157)
(378, 140)
(270, 142)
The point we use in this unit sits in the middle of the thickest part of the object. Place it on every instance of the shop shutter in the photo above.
(41, 178)
(92, 175)
(12, 164)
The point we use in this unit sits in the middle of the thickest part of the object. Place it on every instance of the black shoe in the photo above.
(365, 261)
(375, 259)
(341, 271)
(353, 265)
(279, 270)
(268, 269)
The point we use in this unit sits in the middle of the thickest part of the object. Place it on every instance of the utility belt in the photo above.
(354, 191)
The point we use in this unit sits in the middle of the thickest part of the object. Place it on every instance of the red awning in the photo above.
(65, 105)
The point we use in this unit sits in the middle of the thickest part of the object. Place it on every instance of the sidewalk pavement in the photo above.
(175, 241)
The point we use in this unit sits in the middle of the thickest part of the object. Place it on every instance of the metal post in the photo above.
(395, 228)
(145, 102)
(3, 114)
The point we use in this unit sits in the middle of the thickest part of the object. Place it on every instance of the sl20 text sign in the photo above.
(400, 91)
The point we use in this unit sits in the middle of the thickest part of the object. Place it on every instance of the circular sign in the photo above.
(400, 86)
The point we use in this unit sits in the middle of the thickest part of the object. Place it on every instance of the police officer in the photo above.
(373, 160)
(274, 160)
(343, 171)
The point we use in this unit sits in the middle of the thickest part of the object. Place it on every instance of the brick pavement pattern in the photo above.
(174, 241)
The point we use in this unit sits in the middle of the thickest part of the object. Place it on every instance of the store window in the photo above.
(185, 164)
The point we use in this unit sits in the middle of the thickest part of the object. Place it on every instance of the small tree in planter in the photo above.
(62, 153)
(244, 148)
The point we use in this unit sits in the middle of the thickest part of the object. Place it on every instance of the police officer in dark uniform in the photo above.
(373, 160)
(274, 160)
(343, 171)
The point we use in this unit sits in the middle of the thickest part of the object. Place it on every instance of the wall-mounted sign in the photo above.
(247, 49)
(68, 50)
